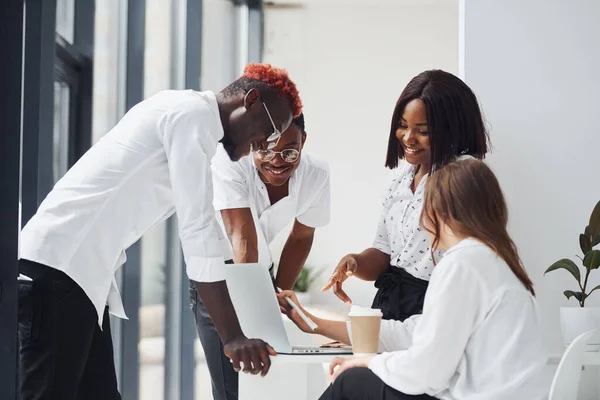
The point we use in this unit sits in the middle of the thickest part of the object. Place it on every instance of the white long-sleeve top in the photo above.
(153, 163)
(479, 337)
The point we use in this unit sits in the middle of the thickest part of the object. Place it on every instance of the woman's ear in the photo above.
(303, 139)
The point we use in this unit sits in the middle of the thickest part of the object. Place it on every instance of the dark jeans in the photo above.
(64, 353)
(363, 384)
(223, 377)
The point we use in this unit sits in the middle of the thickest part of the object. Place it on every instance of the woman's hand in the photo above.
(345, 268)
(339, 365)
(293, 314)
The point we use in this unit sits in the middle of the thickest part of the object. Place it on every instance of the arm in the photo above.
(370, 264)
(451, 311)
(294, 255)
(240, 228)
(367, 265)
(335, 330)
(187, 143)
(394, 335)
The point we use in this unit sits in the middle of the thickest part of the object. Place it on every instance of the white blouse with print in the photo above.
(398, 232)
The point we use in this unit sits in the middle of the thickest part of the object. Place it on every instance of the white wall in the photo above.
(534, 65)
(351, 60)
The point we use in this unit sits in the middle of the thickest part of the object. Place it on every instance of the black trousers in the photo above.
(363, 384)
(223, 377)
(64, 353)
(399, 294)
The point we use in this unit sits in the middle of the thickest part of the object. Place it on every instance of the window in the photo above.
(65, 19)
(69, 65)
(60, 148)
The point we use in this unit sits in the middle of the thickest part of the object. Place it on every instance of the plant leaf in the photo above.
(592, 259)
(570, 293)
(567, 264)
(590, 292)
(596, 238)
(584, 243)
(595, 220)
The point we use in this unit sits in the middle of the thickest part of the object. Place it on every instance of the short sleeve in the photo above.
(230, 182)
(316, 183)
(382, 239)
(318, 213)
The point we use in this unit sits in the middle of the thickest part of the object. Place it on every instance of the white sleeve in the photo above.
(382, 240)
(397, 335)
(230, 182)
(393, 335)
(318, 213)
(187, 142)
(451, 309)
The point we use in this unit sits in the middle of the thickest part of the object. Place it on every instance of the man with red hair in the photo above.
(155, 162)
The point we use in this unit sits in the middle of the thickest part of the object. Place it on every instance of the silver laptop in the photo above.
(253, 296)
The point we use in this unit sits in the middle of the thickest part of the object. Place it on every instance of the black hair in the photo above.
(454, 119)
(270, 81)
(299, 122)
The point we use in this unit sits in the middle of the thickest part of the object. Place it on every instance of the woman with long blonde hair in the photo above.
(479, 335)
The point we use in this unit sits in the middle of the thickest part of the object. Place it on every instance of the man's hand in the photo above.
(346, 268)
(344, 364)
(253, 354)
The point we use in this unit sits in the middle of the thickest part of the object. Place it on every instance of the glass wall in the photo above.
(162, 302)
(65, 19)
(78, 66)
(60, 159)
(157, 77)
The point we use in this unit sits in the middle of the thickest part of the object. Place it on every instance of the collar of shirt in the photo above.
(468, 242)
(214, 105)
(262, 187)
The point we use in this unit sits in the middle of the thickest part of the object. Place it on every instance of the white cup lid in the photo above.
(357, 311)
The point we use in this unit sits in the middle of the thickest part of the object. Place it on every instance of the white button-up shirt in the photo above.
(479, 337)
(398, 233)
(154, 162)
(238, 185)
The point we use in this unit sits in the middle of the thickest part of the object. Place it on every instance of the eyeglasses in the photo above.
(287, 155)
(274, 137)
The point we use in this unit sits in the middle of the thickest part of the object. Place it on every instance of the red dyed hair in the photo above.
(278, 80)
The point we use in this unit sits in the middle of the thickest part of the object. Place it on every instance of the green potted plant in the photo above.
(303, 284)
(577, 320)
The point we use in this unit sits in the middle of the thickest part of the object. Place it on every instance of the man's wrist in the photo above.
(233, 338)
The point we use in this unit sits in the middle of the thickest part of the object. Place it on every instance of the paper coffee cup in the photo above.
(365, 324)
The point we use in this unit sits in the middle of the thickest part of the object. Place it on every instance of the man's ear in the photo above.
(252, 97)
(303, 139)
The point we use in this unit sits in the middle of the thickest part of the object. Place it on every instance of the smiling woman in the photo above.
(436, 120)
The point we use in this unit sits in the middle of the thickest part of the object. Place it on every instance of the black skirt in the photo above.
(400, 294)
